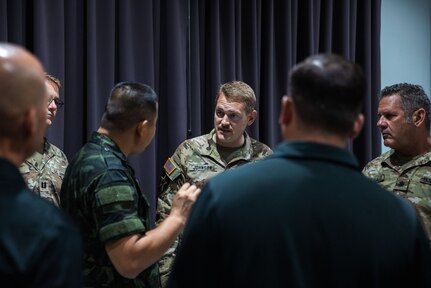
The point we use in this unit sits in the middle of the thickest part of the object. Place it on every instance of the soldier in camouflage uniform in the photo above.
(404, 122)
(102, 195)
(198, 159)
(44, 170)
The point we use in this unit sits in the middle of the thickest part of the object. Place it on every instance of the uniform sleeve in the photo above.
(171, 180)
(373, 171)
(260, 150)
(366, 169)
(116, 210)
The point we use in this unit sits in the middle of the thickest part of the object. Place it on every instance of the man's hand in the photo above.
(183, 201)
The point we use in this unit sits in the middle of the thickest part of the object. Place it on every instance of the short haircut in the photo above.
(238, 91)
(53, 80)
(328, 92)
(129, 104)
(413, 97)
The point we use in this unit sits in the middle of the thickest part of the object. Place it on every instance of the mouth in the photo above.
(224, 130)
(386, 135)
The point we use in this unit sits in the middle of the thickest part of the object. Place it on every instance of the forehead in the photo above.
(52, 87)
(225, 104)
(392, 102)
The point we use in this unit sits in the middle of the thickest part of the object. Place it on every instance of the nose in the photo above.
(225, 120)
(52, 105)
(381, 122)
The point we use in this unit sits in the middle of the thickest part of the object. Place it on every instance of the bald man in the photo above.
(39, 247)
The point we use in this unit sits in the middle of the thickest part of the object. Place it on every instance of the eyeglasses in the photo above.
(57, 102)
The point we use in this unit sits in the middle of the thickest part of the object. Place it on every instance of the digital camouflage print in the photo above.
(411, 180)
(102, 195)
(44, 173)
(195, 161)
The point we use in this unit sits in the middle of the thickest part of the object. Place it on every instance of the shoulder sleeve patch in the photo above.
(171, 169)
(170, 166)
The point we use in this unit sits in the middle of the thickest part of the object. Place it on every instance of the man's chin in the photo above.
(222, 139)
(388, 143)
(48, 122)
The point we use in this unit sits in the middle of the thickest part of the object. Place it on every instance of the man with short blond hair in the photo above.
(198, 159)
(44, 170)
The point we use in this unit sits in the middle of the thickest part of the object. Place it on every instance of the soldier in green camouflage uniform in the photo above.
(102, 195)
(198, 159)
(44, 170)
(404, 111)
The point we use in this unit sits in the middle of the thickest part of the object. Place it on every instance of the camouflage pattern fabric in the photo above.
(195, 161)
(102, 195)
(411, 181)
(44, 173)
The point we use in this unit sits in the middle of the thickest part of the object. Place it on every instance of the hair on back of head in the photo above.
(328, 92)
(129, 104)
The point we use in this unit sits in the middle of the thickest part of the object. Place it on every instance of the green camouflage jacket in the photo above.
(195, 161)
(44, 173)
(411, 181)
(102, 195)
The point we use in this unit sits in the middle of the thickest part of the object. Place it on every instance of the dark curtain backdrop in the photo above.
(185, 49)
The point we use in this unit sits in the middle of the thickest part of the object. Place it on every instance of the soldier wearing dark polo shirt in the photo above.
(305, 216)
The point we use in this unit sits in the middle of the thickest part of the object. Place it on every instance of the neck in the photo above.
(238, 144)
(12, 152)
(317, 137)
(119, 138)
(417, 147)
(41, 148)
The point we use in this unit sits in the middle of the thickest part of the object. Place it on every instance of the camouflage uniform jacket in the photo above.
(44, 173)
(195, 161)
(411, 181)
(102, 195)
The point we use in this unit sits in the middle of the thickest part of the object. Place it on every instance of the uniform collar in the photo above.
(415, 161)
(107, 144)
(244, 152)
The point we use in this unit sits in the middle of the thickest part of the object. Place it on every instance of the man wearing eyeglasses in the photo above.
(44, 170)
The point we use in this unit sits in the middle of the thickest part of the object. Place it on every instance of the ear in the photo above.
(286, 110)
(357, 126)
(419, 117)
(141, 129)
(251, 117)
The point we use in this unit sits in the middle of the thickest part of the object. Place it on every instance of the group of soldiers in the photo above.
(99, 191)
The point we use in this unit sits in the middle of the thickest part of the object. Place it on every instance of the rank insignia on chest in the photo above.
(170, 166)
(201, 168)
